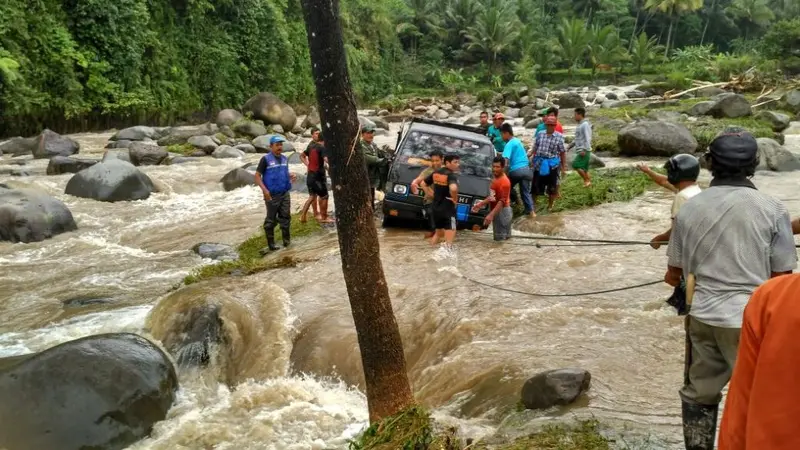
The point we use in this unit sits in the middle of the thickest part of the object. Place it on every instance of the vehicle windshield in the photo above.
(476, 157)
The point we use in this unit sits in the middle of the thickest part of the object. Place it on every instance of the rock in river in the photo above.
(18, 146)
(146, 154)
(218, 252)
(100, 392)
(655, 138)
(122, 154)
(228, 117)
(777, 121)
(30, 216)
(226, 151)
(555, 387)
(239, 177)
(272, 110)
(50, 143)
(65, 164)
(113, 180)
(730, 106)
(250, 128)
(204, 143)
(775, 157)
(570, 100)
(138, 133)
(261, 144)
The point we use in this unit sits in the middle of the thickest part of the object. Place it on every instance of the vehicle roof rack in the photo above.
(448, 125)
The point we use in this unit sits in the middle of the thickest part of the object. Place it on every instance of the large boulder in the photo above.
(777, 121)
(380, 122)
(272, 110)
(100, 392)
(791, 101)
(146, 154)
(369, 123)
(239, 177)
(66, 164)
(701, 109)
(50, 143)
(226, 151)
(655, 138)
(570, 100)
(247, 148)
(30, 216)
(730, 106)
(775, 157)
(122, 143)
(250, 128)
(123, 155)
(261, 144)
(138, 133)
(180, 135)
(228, 117)
(311, 120)
(111, 181)
(18, 146)
(555, 388)
(204, 143)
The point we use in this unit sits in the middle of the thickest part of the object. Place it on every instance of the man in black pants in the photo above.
(445, 198)
(275, 181)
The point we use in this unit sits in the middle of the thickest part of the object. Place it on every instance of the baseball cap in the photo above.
(544, 112)
(368, 128)
(734, 149)
(276, 140)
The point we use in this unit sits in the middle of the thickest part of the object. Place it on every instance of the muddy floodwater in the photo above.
(469, 348)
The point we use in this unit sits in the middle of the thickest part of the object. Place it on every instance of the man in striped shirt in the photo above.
(548, 161)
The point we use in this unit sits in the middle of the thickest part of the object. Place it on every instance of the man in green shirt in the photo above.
(374, 158)
(427, 201)
(494, 133)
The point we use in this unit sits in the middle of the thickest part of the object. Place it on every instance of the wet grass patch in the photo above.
(608, 185)
(182, 149)
(250, 260)
(413, 429)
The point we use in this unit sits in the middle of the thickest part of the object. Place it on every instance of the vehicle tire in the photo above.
(389, 222)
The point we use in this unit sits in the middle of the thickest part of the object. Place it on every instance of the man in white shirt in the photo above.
(682, 173)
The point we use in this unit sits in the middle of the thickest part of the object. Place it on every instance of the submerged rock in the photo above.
(218, 252)
(65, 164)
(110, 181)
(30, 216)
(100, 392)
(555, 388)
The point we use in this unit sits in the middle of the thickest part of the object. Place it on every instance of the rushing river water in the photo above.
(469, 348)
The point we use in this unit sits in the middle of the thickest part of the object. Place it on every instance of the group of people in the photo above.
(730, 258)
(539, 170)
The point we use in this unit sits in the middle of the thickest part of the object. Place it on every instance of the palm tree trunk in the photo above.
(635, 25)
(669, 36)
(388, 390)
(708, 20)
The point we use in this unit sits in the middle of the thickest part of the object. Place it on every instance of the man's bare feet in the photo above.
(303, 218)
(587, 183)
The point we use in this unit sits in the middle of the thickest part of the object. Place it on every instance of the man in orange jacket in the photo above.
(763, 404)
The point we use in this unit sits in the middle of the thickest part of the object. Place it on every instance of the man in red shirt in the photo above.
(499, 201)
(316, 179)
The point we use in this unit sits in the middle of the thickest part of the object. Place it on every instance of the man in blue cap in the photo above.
(275, 181)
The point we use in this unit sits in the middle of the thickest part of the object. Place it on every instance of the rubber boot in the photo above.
(699, 426)
(287, 239)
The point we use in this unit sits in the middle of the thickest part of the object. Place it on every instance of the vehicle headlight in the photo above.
(400, 189)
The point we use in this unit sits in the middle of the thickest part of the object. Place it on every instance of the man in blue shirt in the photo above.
(495, 135)
(519, 171)
(275, 181)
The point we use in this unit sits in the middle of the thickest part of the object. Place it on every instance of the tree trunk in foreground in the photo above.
(388, 390)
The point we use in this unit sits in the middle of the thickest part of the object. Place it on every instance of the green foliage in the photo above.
(581, 436)
(605, 47)
(643, 51)
(250, 260)
(182, 149)
(782, 42)
(574, 39)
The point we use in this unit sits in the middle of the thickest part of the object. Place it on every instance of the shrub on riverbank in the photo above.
(250, 259)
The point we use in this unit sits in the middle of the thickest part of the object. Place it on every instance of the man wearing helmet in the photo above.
(726, 241)
(682, 173)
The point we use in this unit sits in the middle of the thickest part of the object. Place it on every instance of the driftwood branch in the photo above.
(695, 89)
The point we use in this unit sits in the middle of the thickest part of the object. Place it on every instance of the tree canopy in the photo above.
(101, 61)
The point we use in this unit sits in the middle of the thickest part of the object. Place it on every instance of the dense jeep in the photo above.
(411, 157)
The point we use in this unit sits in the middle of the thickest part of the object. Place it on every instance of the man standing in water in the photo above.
(316, 179)
(582, 146)
(275, 181)
(495, 135)
(445, 198)
(373, 157)
(519, 170)
(500, 214)
(727, 241)
(427, 201)
(549, 161)
(484, 125)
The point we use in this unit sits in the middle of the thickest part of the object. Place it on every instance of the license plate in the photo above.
(464, 199)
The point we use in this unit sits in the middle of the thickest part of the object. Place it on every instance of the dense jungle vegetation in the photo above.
(79, 64)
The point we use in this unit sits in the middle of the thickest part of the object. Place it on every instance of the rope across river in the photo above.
(580, 243)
